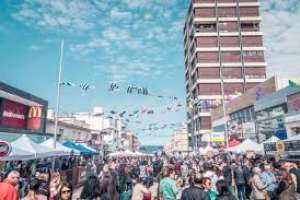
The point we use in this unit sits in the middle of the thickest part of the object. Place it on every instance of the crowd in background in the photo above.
(220, 177)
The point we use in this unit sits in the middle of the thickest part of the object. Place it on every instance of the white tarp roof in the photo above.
(271, 139)
(206, 150)
(49, 143)
(295, 137)
(18, 154)
(121, 154)
(26, 144)
(247, 145)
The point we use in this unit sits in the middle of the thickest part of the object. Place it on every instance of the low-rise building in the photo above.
(69, 131)
(132, 141)
(292, 119)
(276, 112)
(240, 119)
(179, 141)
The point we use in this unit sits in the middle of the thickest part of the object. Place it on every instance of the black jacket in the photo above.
(194, 193)
(226, 196)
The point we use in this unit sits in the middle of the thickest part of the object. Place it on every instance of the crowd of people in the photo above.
(219, 177)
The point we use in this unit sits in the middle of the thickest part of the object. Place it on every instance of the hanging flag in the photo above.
(135, 112)
(150, 112)
(113, 112)
(84, 86)
(122, 114)
(66, 84)
(179, 105)
(143, 110)
(113, 87)
(258, 93)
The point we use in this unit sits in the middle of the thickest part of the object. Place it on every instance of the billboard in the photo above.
(14, 115)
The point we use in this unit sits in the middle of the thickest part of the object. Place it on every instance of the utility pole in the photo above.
(58, 92)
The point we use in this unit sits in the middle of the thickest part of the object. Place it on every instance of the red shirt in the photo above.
(8, 190)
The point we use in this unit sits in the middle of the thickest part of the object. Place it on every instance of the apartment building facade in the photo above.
(224, 56)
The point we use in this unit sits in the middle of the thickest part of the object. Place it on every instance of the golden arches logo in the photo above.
(280, 147)
(35, 112)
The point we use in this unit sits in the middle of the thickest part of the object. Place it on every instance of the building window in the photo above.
(249, 26)
(205, 27)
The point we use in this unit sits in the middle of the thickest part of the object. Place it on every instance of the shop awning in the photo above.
(78, 147)
(60, 147)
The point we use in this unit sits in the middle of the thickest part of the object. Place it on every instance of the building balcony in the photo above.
(221, 4)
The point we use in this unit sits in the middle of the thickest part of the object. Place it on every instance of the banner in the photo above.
(34, 118)
(13, 115)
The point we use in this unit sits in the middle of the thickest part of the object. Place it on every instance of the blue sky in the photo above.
(138, 42)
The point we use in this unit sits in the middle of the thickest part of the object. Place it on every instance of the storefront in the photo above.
(273, 113)
(21, 113)
(292, 120)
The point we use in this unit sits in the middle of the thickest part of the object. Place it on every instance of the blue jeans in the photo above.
(241, 190)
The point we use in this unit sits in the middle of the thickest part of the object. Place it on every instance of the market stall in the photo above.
(49, 143)
(247, 146)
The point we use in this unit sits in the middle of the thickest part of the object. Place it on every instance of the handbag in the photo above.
(147, 196)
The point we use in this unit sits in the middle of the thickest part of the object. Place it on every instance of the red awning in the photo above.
(233, 143)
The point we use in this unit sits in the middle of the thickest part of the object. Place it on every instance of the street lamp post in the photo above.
(58, 92)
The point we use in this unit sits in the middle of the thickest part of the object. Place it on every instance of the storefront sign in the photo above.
(277, 112)
(280, 147)
(5, 149)
(13, 115)
(34, 118)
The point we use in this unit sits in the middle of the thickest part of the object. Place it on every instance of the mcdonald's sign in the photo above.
(34, 118)
(35, 112)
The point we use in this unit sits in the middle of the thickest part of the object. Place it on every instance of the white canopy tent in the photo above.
(18, 154)
(121, 154)
(49, 143)
(39, 151)
(204, 151)
(295, 137)
(271, 140)
(247, 145)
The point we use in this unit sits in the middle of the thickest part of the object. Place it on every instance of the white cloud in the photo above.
(148, 3)
(90, 46)
(116, 14)
(116, 34)
(281, 28)
(57, 14)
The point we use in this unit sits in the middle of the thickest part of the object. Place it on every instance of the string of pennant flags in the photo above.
(116, 87)
(157, 127)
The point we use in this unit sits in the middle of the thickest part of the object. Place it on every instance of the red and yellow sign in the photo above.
(34, 118)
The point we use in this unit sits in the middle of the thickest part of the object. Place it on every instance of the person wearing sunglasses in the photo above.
(8, 188)
(66, 191)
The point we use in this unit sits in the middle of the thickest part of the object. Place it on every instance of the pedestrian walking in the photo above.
(195, 191)
(167, 188)
(8, 187)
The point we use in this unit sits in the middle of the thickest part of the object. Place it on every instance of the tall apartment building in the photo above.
(224, 54)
